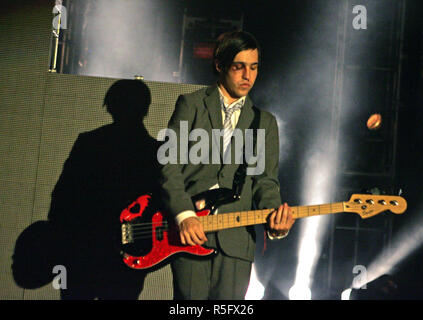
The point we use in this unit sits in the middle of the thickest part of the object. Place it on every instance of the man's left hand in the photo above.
(280, 221)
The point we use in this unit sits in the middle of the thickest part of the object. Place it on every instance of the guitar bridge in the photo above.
(126, 234)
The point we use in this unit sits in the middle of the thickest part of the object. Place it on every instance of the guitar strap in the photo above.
(240, 174)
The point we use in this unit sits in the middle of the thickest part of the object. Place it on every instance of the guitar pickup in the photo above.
(126, 233)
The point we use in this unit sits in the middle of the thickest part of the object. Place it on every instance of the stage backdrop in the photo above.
(41, 115)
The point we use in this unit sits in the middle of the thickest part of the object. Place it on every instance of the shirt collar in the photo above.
(224, 100)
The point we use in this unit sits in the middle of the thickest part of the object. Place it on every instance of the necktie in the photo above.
(227, 125)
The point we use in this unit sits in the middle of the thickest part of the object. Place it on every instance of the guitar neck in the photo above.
(247, 218)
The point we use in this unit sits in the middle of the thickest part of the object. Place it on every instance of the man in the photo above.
(225, 275)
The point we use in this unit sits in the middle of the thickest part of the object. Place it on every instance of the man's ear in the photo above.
(216, 65)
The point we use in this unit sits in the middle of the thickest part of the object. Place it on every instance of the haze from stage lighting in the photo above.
(408, 240)
(255, 288)
(120, 41)
(317, 190)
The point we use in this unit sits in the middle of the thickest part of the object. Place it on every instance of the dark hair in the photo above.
(128, 98)
(228, 45)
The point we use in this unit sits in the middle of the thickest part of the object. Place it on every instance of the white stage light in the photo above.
(299, 292)
(345, 295)
(317, 187)
(255, 288)
(406, 242)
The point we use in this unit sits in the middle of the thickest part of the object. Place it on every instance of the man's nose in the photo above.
(246, 73)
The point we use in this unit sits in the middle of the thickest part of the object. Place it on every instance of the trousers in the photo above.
(216, 277)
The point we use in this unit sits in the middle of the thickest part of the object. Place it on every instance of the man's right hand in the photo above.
(191, 232)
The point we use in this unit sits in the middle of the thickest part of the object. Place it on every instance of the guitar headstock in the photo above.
(369, 205)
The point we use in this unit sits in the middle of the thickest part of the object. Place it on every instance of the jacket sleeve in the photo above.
(175, 198)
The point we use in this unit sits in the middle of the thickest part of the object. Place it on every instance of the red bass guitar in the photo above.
(149, 238)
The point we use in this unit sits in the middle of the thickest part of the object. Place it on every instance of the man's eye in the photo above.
(237, 66)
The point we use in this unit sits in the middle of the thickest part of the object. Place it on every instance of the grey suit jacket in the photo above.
(180, 182)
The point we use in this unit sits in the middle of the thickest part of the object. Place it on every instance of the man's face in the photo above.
(242, 74)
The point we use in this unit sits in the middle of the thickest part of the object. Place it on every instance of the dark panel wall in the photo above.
(24, 43)
(41, 115)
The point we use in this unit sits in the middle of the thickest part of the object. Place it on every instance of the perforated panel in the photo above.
(41, 115)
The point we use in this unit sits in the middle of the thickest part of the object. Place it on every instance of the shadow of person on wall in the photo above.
(107, 169)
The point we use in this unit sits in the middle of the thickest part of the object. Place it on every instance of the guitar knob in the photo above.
(200, 204)
(370, 201)
(394, 202)
(358, 201)
(383, 202)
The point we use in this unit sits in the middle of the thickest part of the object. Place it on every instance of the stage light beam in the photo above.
(408, 240)
(317, 185)
(255, 288)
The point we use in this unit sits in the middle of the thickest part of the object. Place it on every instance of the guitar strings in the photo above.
(140, 231)
(144, 230)
(148, 224)
(300, 212)
(165, 223)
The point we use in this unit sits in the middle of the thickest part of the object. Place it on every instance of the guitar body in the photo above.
(149, 238)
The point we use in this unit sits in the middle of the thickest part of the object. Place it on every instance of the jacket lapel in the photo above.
(212, 102)
(244, 122)
(247, 115)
